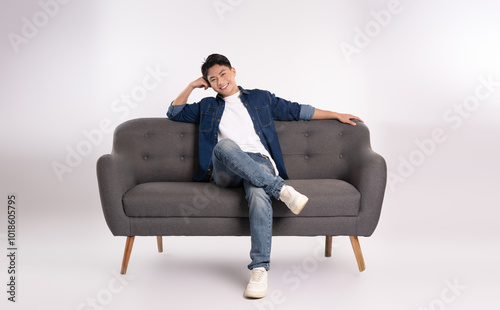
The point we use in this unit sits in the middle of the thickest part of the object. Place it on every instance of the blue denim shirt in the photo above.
(263, 107)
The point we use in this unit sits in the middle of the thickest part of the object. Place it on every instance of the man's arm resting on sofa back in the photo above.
(344, 118)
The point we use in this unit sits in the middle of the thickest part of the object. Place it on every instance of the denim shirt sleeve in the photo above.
(184, 113)
(306, 112)
(173, 110)
(286, 110)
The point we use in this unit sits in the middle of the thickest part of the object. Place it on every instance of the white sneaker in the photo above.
(257, 286)
(294, 200)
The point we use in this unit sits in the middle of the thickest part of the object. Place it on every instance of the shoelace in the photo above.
(257, 275)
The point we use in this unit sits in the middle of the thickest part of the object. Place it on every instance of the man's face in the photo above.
(221, 79)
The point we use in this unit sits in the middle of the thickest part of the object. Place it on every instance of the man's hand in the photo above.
(199, 83)
(346, 118)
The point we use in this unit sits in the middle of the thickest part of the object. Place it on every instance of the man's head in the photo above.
(219, 74)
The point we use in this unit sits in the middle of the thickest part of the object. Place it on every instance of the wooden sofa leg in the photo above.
(126, 255)
(357, 252)
(328, 246)
(159, 240)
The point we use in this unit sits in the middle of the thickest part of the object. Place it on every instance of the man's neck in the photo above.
(232, 97)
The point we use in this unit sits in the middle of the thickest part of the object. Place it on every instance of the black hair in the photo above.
(214, 59)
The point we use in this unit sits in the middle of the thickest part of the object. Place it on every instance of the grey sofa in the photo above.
(146, 189)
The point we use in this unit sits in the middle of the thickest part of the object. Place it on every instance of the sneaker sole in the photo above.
(301, 205)
(252, 294)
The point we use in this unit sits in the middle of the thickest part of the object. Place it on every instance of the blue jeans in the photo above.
(233, 168)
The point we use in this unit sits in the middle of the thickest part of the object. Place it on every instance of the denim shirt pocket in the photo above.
(264, 115)
(207, 121)
(207, 118)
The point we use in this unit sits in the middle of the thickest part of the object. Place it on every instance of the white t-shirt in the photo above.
(236, 124)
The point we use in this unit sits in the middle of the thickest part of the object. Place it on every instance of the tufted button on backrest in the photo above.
(158, 149)
(318, 149)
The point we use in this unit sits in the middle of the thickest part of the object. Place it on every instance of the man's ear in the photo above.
(233, 70)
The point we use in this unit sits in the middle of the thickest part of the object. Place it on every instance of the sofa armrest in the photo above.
(114, 179)
(369, 175)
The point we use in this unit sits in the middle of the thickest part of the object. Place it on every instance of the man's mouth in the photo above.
(224, 87)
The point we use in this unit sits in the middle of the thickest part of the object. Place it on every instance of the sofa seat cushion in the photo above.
(327, 197)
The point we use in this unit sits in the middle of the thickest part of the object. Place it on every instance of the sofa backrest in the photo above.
(158, 149)
(320, 149)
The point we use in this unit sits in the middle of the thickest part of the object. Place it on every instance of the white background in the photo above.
(436, 246)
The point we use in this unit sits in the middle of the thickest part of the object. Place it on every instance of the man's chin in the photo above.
(222, 93)
(227, 92)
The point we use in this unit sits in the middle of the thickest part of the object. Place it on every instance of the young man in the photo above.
(238, 146)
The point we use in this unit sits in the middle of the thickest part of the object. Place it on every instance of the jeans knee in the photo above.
(225, 146)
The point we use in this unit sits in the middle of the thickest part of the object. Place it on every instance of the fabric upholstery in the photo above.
(178, 199)
(152, 158)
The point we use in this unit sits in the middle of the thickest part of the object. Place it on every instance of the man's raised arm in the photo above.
(179, 110)
(184, 95)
